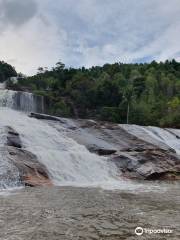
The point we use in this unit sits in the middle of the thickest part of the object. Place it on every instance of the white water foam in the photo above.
(155, 135)
(23, 101)
(7, 98)
(68, 162)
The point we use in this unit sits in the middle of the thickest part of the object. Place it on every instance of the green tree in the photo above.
(128, 95)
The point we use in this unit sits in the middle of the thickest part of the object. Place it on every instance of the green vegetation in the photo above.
(6, 71)
(145, 94)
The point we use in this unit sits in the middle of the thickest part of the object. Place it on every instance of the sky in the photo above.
(86, 33)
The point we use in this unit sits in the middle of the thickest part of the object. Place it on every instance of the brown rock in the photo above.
(36, 180)
(32, 172)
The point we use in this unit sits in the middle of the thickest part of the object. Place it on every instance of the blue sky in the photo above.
(87, 32)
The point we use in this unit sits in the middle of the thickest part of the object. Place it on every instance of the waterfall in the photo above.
(68, 162)
(6, 98)
(23, 101)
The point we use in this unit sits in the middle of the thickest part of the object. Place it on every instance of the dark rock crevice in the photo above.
(13, 138)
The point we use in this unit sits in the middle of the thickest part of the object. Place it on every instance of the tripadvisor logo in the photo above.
(140, 231)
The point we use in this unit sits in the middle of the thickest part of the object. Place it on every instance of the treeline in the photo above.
(6, 71)
(145, 94)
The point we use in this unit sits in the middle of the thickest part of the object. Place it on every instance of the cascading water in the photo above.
(68, 162)
(23, 101)
(7, 98)
(157, 136)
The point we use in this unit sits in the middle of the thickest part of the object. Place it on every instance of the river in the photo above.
(69, 213)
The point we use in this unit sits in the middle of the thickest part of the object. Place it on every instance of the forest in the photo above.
(144, 94)
(6, 71)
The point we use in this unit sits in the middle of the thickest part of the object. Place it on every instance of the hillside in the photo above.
(144, 94)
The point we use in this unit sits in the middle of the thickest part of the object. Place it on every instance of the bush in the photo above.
(111, 114)
(171, 121)
(61, 109)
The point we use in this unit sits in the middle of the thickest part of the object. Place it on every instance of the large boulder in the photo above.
(154, 164)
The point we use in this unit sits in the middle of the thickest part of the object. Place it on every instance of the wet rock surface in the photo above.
(89, 214)
(44, 117)
(135, 158)
(149, 164)
(13, 138)
(31, 171)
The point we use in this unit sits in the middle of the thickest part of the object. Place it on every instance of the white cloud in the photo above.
(89, 32)
(30, 45)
